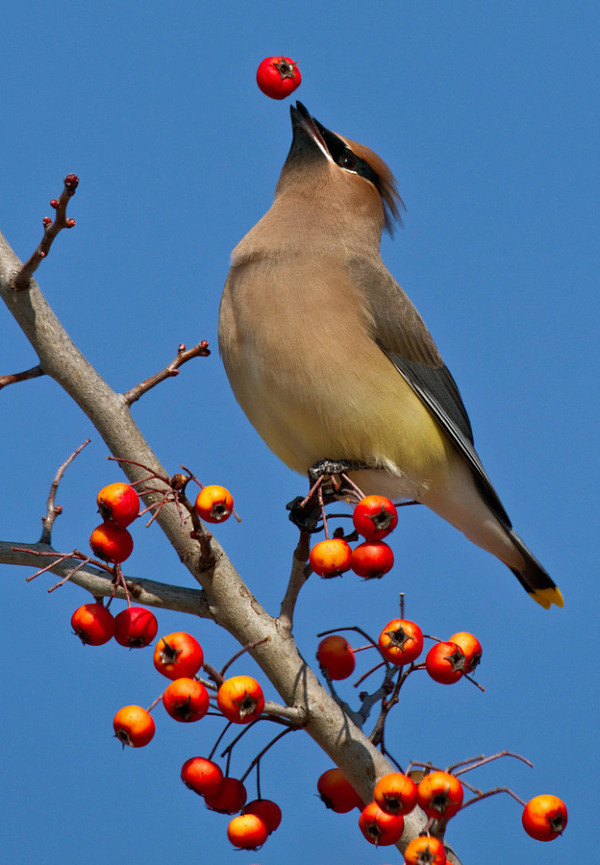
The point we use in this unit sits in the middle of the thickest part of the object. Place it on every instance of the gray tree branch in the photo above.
(224, 593)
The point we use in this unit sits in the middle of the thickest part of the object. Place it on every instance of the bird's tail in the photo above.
(534, 579)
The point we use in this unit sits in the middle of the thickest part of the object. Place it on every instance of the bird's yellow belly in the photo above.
(356, 408)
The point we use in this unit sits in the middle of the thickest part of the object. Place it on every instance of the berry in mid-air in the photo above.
(277, 77)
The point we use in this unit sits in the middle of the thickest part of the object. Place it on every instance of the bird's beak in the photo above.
(307, 130)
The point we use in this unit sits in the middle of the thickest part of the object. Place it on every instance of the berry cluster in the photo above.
(374, 518)
(239, 699)
(440, 795)
(400, 643)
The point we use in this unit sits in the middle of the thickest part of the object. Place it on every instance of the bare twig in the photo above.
(493, 792)
(296, 581)
(182, 356)
(34, 372)
(247, 648)
(100, 584)
(52, 510)
(476, 762)
(21, 280)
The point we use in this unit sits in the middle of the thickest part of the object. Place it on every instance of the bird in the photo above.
(330, 360)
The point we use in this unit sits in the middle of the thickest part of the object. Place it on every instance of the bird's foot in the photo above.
(329, 481)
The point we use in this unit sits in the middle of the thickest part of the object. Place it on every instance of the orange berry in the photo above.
(471, 648)
(111, 543)
(440, 795)
(247, 832)
(133, 726)
(240, 699)
(425, 850)
(396, 793)
(545, 817)
(214, 504)
(331, 558)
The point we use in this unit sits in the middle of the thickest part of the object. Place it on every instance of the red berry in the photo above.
(230, 799)
(380, 828)
(118, 503)
(202, 776)
(47, 220)
(335, 657)
(372, 559)
(375, 517)
(186, 700)
(401, 642)
(445, 663)
(71, 182)
(93, 624)
(268, 811)
(135, 627)
(277, 77)
(54, 203)
(337, 793)
(178, 655)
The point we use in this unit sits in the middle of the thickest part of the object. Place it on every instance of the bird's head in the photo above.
(337, 177)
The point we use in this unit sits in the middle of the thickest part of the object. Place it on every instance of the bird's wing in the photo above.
(402, 335)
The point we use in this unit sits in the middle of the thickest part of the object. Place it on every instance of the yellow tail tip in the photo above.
(546, 597)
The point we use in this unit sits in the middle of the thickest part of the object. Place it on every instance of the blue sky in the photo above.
(487, 114)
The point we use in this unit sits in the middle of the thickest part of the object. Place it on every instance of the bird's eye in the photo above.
(347, 161)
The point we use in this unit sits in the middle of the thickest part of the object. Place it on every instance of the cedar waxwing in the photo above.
(329, 359)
